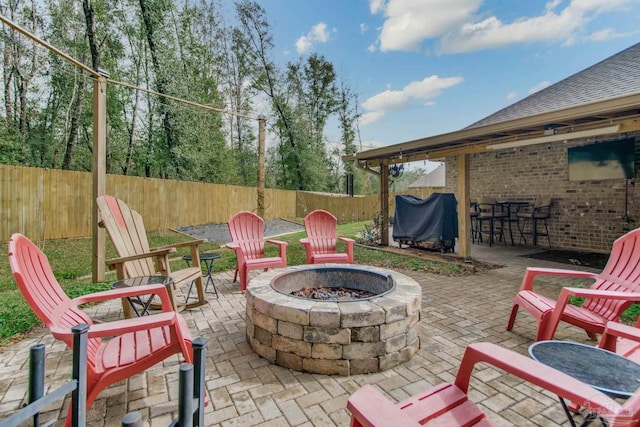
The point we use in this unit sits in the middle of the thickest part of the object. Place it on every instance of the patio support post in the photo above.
(384, 203)
(261, 130)
(99, 171)
(464, 219)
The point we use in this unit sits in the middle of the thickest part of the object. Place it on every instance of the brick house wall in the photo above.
(586, 215)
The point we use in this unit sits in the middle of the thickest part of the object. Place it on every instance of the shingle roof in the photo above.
(434, 179)
(615, 76)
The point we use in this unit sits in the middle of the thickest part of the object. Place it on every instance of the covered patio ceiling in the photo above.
(612, 116)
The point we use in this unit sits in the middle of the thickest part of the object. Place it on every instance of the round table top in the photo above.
(142, 281)
(601, 369)
(203, 256)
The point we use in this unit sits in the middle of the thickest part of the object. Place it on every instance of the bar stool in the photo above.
(491, 218)
(530, 217)
(475, 230)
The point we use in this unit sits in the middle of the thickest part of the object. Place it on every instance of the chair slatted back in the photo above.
(622, 273)
(247, 230)
(41, 290)
(321, 229)
(127, 232)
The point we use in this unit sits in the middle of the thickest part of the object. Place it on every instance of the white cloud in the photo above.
(318, 33)
(376, 6)
(430, 87)
(539, 87)
(459, 26)
(409, 22)
(390, 100)
(512, 95)
(387, 100)
(363, 28)
(372, 48)
(370, 117)
(303, 45)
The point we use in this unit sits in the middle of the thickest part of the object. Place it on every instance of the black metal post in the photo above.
(79, 374)
(132, 419)
(185, 399)
(36, 377)
(199, 360)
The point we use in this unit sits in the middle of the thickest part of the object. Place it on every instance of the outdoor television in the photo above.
(604, 160)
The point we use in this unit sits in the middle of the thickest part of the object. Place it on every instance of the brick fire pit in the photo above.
(334, 337)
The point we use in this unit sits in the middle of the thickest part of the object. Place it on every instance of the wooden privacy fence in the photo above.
(55, 204)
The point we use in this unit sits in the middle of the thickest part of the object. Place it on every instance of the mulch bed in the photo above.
(584, 259)
(439, 259)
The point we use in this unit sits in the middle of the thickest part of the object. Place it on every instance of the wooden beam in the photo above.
(99, 173)
(384, 204)
(464, 219)
(261, 168)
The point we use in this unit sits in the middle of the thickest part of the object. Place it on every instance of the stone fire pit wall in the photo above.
(334, 338)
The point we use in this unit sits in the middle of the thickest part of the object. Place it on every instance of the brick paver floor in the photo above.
(245, 390)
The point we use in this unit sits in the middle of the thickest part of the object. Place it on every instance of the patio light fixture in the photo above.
(557, 137)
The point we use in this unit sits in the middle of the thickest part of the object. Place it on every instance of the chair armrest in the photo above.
(615, 330)
(536, 373)
(282, 248)
(305, 241)
(181, 244)
(532, 272)
(160, 290)
(563, 300)
(151, 254)
(371, 408)
(346, 239)
(233, 245)
(119, 327)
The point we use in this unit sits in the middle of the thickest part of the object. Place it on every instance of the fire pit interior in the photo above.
(371, 329)
(333, 283)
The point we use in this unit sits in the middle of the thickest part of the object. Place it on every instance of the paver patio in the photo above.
(245, 390)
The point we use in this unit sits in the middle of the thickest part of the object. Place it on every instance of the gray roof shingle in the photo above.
(615, 76)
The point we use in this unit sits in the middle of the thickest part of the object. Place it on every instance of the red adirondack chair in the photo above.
(247, 233)
(321, 240)
(622, 339)
(612, 292)
(448, 404)
(127, 232)
(134, 344)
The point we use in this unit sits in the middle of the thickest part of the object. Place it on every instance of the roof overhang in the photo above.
(609, 117)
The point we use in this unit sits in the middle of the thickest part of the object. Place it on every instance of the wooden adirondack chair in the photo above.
(448, 404)
(247, 233)
(321, 240)
(612, 292)
(127, 232)
(134, 344)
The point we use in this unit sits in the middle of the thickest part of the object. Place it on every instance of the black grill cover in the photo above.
(432, 219)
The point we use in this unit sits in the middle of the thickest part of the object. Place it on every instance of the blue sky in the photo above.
(426, 67)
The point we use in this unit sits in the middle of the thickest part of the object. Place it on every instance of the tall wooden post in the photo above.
(99, 171)
(384, 203)
(464, 218)
(261, 161)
